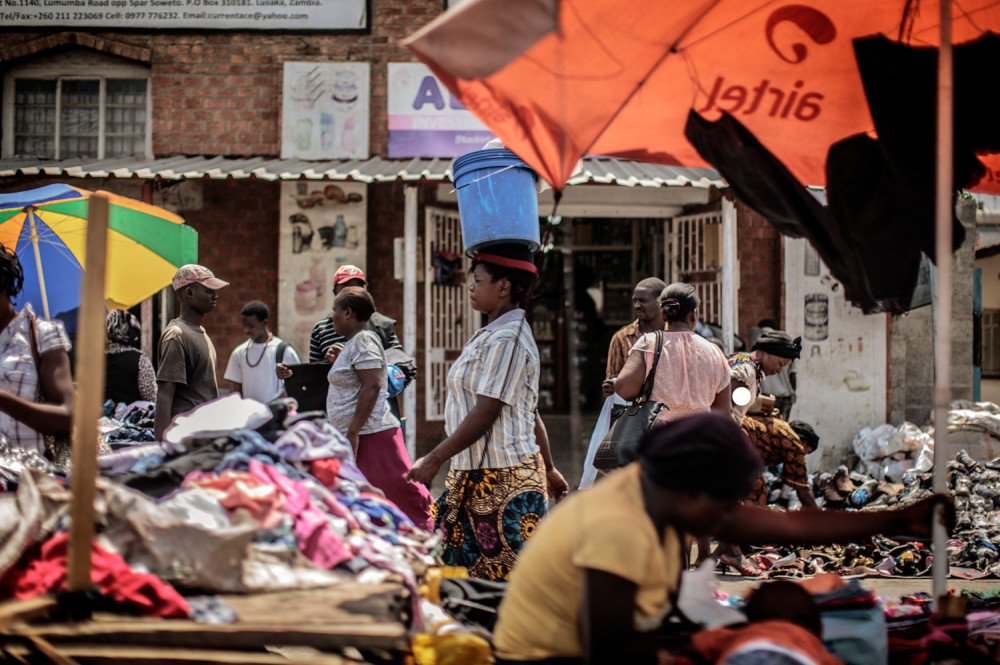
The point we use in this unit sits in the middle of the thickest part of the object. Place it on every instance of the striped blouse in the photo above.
(501, 361)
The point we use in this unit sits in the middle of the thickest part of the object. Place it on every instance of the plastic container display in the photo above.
(497, 199)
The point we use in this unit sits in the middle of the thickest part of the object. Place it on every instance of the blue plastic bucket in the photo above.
(497, 199)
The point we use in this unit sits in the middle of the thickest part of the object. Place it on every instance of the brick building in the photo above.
(194, 120)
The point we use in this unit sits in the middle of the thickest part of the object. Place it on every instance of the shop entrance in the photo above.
(584, 297)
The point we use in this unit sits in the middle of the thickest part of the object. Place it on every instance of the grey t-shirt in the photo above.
(363, 351)
(187, 358)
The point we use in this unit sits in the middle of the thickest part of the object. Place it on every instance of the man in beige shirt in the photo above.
(648, 318)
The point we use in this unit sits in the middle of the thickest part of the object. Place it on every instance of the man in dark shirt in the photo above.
(325, 338)
(649, 318)
(186, 377)
(323, 334)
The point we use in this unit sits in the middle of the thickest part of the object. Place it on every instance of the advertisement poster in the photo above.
(324, 110)
(323, 226)
(188, 14)
(425, 120)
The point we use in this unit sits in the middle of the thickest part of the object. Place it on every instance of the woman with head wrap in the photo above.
(776, 441)
(600, 578)
(501, 467)
(130, 375)
(691, 375)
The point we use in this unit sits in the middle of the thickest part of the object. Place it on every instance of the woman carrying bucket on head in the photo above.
(501, 467)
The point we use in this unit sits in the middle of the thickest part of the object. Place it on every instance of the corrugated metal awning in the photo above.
(987, 235)
(375, 169)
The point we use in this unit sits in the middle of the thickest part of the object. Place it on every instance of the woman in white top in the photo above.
(692, 375)
(33, 361)
(356, 405)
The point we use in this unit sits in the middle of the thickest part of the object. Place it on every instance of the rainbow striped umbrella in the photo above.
(47, 227)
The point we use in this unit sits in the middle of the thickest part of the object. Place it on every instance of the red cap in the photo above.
(346, 273)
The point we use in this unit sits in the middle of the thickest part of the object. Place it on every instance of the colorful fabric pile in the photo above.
(283, 507)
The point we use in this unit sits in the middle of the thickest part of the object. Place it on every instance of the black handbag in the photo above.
(631, 422)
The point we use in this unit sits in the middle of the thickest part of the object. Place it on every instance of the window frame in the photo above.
(78, 64)
(990, 335)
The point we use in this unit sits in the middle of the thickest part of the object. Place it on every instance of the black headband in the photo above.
(779, 343)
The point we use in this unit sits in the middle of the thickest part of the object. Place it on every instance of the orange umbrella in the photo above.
(558, 79)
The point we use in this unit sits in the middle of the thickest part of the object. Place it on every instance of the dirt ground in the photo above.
(735, 585)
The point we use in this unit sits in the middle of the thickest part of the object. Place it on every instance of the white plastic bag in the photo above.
(600, 431)
(697, 602)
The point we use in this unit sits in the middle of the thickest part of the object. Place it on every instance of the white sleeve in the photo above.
(234, 370)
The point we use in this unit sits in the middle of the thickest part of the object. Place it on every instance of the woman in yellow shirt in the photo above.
(601, 573)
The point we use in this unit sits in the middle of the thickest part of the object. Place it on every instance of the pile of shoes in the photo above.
(973, 551)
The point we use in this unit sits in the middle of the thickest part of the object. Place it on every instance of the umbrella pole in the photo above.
(90, 395)
(944, 213)
(38, 262)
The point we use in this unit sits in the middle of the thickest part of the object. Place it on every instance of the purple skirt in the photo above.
(382, 457)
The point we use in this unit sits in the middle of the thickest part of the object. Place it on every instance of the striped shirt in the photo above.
(500, 361)
(18, 374)
(323, 336)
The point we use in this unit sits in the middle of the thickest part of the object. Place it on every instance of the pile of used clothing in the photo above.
(272, 501)
(124, 424)
(973, 550)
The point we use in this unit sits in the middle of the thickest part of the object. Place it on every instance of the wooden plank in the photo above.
(106, 653)
(25, 610)
(350, 602)
(365, 616)
(235, 636)
(89, 397)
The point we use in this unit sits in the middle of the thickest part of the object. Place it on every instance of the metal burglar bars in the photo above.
(449, 319)
(696, 258)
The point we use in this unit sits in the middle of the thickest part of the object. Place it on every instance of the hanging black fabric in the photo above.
(880, 191)
(761, 181)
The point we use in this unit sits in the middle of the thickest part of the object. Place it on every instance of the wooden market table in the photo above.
(329, 626)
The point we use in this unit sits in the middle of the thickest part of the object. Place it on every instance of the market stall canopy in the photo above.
(559, 79)
(47, 228)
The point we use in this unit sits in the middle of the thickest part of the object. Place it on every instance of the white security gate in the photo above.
(449, 319)
(696, 258)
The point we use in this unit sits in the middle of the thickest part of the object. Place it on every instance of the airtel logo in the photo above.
(814, 23)
(783, 99)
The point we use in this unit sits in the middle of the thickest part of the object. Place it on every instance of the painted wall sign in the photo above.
(425, 120)
(841, 376)
(324, 110)
(323, 226)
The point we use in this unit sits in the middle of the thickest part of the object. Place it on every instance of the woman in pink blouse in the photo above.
(692, 375)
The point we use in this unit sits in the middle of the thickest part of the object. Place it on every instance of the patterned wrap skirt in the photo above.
(487, 515)
(777, 443)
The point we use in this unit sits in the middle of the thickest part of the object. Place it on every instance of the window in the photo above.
(991, 343)
(60, 110)
(696, 257)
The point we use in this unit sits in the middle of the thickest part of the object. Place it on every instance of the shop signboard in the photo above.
(322, 227)
(241, 15)
(324, 110)
(425, 120)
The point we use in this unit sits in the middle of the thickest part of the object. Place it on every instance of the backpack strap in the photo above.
(279, 353)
